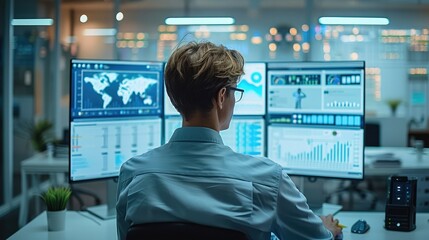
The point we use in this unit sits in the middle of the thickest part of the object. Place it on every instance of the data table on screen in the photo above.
(98, 148)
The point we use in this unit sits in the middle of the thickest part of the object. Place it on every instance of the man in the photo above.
(195, 178)
(298, 95)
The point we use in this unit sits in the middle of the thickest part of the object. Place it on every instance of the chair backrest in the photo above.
(372, 134)
(179, 230)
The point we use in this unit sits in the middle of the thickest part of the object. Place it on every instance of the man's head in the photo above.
(197, 72)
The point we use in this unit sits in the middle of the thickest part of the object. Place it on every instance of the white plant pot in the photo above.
(56, 220)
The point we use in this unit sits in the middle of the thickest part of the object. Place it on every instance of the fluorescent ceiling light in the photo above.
(33, 22)
(212, 28)
(83, 18)
(353, 21)
(119, 16)
(199, 21)
(99, 32)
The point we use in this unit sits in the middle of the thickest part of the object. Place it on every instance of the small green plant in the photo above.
(40, 135)
(56, 198)
(394, 104)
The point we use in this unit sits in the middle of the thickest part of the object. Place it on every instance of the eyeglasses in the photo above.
(238, 93)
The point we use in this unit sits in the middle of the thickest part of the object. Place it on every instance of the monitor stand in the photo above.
(107, 211)
(313, 189)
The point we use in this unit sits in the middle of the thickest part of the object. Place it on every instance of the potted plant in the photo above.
(56, 199)
(40, 135)
(393, 104)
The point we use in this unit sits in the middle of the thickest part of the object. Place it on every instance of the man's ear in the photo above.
(221, 96)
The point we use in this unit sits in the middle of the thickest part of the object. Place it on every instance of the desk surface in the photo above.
(79, 226)
(377, 231)
(83, 225)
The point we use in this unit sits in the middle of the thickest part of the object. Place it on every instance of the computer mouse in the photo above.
(361, 226)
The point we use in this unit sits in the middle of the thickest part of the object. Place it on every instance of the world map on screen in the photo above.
(109, 90)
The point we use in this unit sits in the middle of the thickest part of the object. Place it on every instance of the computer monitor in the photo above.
(246, 133)
(115, 114)
(253, 102)
(315, 118)
(253, 82)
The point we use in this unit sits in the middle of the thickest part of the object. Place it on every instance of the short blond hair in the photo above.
(196, 72)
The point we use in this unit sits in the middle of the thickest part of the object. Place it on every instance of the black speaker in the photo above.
(401, 204)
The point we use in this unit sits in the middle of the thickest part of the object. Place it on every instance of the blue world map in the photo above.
(110, 90)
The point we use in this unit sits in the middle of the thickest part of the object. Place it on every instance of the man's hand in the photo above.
(331, 224)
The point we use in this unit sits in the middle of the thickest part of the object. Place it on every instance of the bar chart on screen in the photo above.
(334, 150)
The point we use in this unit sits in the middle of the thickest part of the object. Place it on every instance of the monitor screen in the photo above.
(245, 135)
(315, 118)
(115, 89)
(115, 114)
(100, 146)
(253, 82)
(254, 98)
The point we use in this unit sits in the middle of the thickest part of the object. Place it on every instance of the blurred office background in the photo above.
(35, 59)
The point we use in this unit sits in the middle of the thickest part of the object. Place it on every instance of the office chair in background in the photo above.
(81, 195)
(181, 230)
(372, 135)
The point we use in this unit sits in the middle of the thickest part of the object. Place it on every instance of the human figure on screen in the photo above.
(298, 95)
(196, 178)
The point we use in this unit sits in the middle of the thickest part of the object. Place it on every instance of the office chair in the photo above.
(372, 135)
(180, 230)
(79, 193)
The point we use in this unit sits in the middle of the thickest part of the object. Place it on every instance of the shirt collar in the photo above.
(196, 134)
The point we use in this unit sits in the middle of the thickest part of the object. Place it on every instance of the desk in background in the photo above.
(39, 164)
(419, 135)
(85, 226)
(407, 155)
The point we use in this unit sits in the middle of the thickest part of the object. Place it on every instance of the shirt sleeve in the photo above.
(121, 209)
(294, 219)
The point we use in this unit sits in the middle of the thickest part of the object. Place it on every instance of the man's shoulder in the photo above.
(138, 161)
(260, 168)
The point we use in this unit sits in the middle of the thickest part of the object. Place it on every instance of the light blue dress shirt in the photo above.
(196, 178)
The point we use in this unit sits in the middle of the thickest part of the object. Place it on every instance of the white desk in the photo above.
(407, 155)
(81, 227)
(377, 231)
(77, 227)
(37, 165)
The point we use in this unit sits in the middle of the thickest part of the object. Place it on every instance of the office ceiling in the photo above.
(253, 4)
